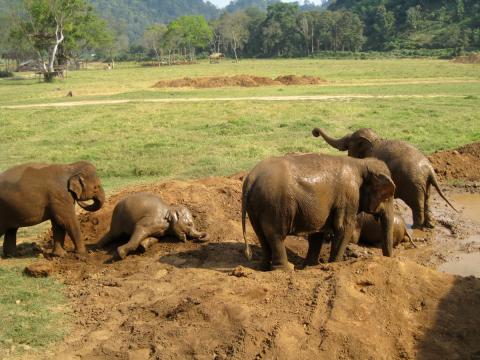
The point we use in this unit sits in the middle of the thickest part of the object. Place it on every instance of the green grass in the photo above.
(32, 312)
(149, 142)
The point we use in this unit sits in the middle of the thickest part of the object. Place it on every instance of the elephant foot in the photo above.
(283, 267)
(9, 254)
(122, 252)
(265, 265)
(309, 262)
(59, 252)
(429, 224)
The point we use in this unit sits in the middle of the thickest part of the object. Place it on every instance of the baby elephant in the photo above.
(144, 216)
(368, 230)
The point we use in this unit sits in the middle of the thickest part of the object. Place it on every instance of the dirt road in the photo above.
(229, 99)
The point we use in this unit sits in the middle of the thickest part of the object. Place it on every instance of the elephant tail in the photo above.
(247, 251)
(433, 181)
(409, 237)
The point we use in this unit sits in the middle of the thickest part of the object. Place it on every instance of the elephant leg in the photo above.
(106, 239)
(68, 220)
(279, 252)
(10, 243)
(266, 262)
(315, 242)
(418, 211)
(429, 221)
(139, 234)
(148, 242)
(344, 226)
(58, 240)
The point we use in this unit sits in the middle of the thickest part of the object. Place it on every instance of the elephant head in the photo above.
(376, 197)
(359, 144)
(84, 185)
(181, 224)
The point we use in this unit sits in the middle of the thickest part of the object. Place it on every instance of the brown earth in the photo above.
(462, 163)
(206, 301)
(468, 59)
(238, 81)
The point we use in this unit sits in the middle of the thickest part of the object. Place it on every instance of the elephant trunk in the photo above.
(339, 144)
(387, 221)
(98, 201)
(199, 235)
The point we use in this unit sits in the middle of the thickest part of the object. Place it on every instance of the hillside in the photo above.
(136, 15)
(391, 24)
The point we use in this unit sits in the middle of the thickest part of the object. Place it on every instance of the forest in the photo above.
(151, 30)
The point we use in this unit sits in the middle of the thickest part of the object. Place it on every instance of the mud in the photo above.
(238, 81)
(206, 301)
(460, 164)
(468, 59)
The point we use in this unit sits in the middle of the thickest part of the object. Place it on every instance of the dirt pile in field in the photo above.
(238, 81)
(462, 163)
(181, 300)
(468, 59)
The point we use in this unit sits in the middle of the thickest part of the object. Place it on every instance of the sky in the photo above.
(223, 3)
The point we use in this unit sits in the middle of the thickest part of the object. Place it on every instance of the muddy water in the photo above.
(466, 259)
(468, 205)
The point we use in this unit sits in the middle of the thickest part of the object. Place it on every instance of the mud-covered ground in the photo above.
(181, 300)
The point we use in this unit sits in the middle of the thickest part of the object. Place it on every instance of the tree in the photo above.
(189, 31)
(47, 23)
(414, 15)
(153, 38)
(234, 30)
(383, 27)
(281, 35)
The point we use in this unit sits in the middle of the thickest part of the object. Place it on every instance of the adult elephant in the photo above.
(35, 192)
(311, 194)
(411, 171)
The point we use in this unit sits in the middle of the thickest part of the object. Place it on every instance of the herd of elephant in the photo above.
(323, 197)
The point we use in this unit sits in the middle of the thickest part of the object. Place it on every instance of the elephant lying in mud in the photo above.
(33, 193)
(309, 194)
(369, 230)
(411, 171)
(144, 216)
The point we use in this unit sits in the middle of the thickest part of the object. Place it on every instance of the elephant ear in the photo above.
(76, 185)
(172, 216)
(360, 147)
(382, 189)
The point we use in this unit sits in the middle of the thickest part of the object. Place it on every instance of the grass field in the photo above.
(147, 142)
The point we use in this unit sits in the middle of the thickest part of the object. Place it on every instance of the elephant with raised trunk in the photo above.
(411, 171)
(312, 194)
(33, 193)
(145, 218)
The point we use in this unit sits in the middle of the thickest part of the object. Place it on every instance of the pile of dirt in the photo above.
(468, 59)
(206, 301)
(462, 163)
(238, 81)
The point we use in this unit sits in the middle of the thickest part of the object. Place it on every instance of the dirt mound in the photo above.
(462, 163)
(204, 301)
(468, 59)
(238, 81)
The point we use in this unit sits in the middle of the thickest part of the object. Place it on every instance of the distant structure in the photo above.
(216, 57)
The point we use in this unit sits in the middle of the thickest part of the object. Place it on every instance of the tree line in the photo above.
(56, 31)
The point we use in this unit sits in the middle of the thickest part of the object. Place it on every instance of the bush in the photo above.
(5, 74)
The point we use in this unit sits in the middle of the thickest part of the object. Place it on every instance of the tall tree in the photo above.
(47, 23)
(233, 29)
(153, 39)
(191, 32)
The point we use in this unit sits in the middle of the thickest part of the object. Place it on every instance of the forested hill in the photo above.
(391, 24)
(236, 5)
(133, 16)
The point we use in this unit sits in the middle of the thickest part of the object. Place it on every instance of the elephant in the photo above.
(368, 230)
(36, 192)
(144, 216)
(310, 194)
(411, 171)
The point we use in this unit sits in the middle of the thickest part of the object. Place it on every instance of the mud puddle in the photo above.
(468, 205)
(466, 261)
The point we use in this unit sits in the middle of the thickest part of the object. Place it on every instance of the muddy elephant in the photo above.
(306, 194)
(145, 218)
(33, 193)
(411, 171)
(368, 230)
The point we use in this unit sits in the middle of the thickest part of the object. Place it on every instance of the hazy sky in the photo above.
(223, 3)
